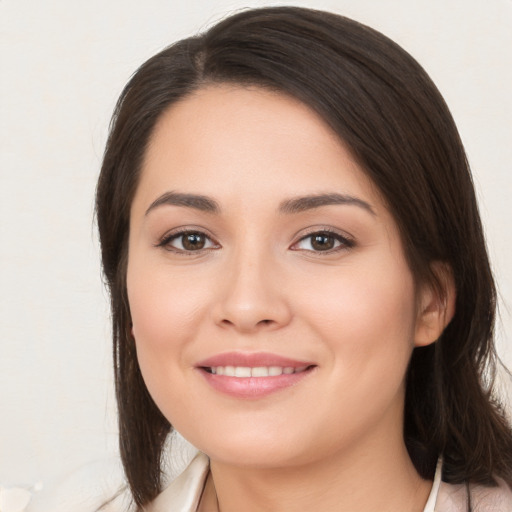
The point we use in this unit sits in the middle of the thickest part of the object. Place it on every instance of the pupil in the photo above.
(193, 241)
(322, 242)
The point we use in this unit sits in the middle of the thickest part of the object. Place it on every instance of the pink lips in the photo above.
(253, 387)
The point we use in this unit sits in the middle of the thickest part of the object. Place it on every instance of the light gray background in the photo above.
(63, 64)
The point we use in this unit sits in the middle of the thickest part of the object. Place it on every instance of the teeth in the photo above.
(274, 371)
(229, 371)
(257, 371)
(242, 371)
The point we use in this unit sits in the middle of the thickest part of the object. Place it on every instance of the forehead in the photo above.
(224, 140)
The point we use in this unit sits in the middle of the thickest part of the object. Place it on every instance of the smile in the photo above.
(258, 371)
(252, 375)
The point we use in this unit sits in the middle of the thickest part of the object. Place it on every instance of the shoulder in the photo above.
(495, 499)
(454, 498)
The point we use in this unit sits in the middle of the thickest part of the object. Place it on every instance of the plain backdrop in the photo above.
(63, 64)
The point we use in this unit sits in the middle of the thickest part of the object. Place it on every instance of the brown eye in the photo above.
(193, 241)
(187, 241)
(322, 242)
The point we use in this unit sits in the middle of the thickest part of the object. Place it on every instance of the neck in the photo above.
(383, 480)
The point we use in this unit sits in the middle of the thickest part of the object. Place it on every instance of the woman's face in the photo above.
(273, 310)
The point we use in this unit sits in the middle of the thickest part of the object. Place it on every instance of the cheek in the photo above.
(165, 310)
(160, 331)
(164, 306)
(367, 327)
(368, 318)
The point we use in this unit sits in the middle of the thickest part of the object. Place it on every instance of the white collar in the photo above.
(184, 493)
(432, 498)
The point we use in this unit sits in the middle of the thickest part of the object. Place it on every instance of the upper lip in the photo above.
(252, 360)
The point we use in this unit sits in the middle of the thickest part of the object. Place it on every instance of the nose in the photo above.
(253, 298)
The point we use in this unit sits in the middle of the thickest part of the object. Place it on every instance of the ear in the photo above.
(436, 305)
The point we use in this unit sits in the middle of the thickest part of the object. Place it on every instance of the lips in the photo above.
(246, 375)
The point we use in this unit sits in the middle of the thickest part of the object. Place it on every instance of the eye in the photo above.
(323, 241)
(187, 241)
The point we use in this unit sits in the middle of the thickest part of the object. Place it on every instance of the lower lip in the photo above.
(253, 387)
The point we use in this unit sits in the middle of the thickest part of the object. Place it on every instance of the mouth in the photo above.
(245, 372)
(253, 376)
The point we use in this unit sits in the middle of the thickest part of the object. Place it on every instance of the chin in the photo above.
(256, 447)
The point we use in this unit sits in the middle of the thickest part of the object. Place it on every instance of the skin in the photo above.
(334, 440)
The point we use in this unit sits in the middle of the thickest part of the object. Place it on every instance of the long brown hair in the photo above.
(386, 109)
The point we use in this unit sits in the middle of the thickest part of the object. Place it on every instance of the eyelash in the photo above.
(166, 240)
(344, 242)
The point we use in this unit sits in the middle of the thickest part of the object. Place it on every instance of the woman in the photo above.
(299, 278)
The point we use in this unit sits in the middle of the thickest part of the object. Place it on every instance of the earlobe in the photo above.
(436, 306)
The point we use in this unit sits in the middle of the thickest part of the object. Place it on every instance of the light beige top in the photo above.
(184, 493)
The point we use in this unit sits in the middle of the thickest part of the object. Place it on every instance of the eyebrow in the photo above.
(289, 206)
(301, 204)
(198, 202)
